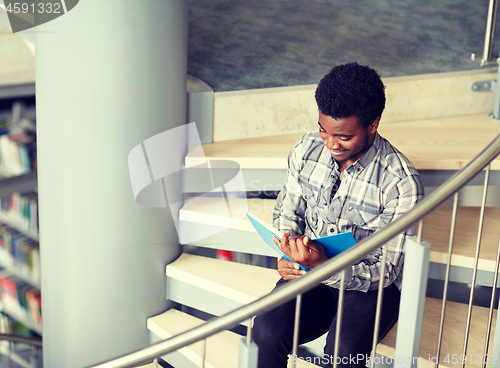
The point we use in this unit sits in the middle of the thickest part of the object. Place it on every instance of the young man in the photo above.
(344, 178)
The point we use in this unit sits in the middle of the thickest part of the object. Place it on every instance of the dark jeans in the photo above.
(273, 331)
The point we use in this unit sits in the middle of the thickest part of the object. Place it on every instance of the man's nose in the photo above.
(331, 143)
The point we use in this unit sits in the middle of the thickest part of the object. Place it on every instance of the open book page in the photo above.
(267, 232)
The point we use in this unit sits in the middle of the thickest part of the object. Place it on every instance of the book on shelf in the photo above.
(11, 158)
(20, 253)
(34, 300)
(332, 244)
(21, 302)
(8, 294)
(21, 211)
(4, 120)
(17, 140)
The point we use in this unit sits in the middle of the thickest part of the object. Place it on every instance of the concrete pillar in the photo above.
(109, 75)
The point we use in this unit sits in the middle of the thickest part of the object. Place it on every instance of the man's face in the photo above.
(346, 140)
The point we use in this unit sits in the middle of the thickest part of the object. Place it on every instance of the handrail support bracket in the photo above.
(493, 86)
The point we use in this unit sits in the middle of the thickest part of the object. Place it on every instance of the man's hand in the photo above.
(302, 250)
(289, 270)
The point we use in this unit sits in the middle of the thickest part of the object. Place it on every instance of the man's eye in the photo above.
(345, 139)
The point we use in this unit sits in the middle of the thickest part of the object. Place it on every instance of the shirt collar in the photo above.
(368, 157)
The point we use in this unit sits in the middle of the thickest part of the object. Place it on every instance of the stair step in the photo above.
(216, 226)
(436, 228)
(244, 283)
(212, 222)
(427, 143)
(214, 212)
(436, 231)
(221, 349)
(453, 333)
(238, 282)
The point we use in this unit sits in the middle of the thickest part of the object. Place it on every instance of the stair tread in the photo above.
(453, 333)
(221, 348)
(427, 143)
(436, 228)
(236, 281)
(213, 211)
(436, 231)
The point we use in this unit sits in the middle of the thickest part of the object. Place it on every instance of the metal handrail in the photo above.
(318, 274)
(21, 339)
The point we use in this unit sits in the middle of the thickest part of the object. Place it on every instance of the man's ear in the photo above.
(374, 126)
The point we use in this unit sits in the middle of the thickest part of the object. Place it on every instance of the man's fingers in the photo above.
(296, 273)
(306, 243)
(291, 265)
(286, 264)
(277, 242)
(283, 244)
(293, 246)
(290, 274)
(288, 269)
(300, 250)
(285, 240)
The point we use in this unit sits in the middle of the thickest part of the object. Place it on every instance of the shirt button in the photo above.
(331, 230)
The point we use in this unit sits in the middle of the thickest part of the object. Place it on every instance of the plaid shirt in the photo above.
(375, 190)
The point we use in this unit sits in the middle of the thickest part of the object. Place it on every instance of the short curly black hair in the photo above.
(351, 90)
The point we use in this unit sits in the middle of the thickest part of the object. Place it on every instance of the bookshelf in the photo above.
(20, 284)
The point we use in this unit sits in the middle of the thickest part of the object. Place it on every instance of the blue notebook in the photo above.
(332, 244)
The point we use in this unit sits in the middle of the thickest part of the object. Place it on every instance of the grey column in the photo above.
(109, 75)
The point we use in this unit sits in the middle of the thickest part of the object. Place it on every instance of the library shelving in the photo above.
(20, 284)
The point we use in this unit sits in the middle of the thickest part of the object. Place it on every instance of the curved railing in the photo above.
(317, 275)
(20, 339)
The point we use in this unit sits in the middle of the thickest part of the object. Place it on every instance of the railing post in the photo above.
(490, 32)
(340, 309)
(495, 349)
(411, 309)
(248, 351)
(248, 354)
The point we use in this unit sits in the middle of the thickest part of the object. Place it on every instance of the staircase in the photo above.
(436, 143)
